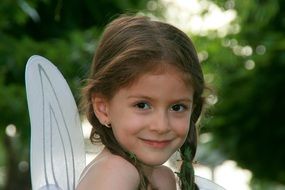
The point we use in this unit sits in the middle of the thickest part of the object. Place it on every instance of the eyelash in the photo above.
(139, 104)
(181, 106)
(142, 106)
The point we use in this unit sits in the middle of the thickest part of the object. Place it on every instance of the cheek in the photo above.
(126, 125)
(182, 127)
(182, 131)
(125, 132)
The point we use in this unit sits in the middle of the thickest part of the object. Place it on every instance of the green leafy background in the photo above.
(246, 123)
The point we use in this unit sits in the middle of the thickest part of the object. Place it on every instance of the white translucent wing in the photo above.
(205, 184)
(57, 145)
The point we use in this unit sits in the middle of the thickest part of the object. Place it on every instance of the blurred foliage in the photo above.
(245, 68)
(247, 71)
(66, 32)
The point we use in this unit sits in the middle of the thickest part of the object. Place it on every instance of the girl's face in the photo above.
(151, 118)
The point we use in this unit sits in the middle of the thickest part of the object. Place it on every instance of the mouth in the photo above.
(156, 143)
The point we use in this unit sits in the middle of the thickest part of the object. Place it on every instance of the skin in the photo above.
(151, 119)
(109, 172)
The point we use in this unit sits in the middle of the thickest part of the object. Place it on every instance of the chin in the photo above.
(154, 162)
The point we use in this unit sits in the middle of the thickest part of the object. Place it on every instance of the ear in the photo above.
(100, 107)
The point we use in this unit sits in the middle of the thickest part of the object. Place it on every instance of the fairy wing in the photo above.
(205, 184)
(57, 155)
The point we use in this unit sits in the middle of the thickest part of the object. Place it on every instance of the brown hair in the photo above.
(131, 46)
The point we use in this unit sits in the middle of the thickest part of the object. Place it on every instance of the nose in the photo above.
(160, 122)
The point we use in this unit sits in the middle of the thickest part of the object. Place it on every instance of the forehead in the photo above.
(168, 79)
(165, 69)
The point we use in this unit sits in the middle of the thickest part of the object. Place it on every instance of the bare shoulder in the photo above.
(164, 178)
(111, 172)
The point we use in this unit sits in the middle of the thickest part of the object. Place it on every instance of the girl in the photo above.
(143, 99)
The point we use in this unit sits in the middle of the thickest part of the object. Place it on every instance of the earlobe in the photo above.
(100, 107)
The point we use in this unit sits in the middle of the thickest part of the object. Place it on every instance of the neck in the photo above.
(148, 171)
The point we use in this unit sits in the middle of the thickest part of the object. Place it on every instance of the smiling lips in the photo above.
(156, 144)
